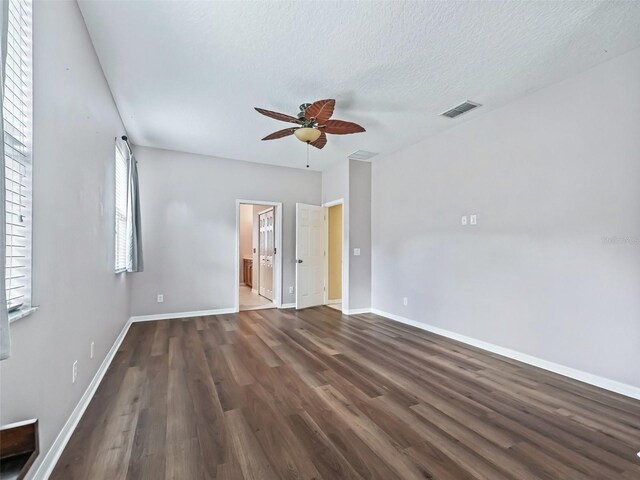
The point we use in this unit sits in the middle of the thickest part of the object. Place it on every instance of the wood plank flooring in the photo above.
(280, 394)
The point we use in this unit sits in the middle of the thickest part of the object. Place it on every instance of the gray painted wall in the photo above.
(548, 176)
(80, 298)
(350, 180)
(335, 182)
(359, 234)
(189, 226)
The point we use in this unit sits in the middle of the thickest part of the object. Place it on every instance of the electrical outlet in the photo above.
(405, 301)
(290, 289)
(92, 349)
(74, 372)
(464, 220)
(356, 252)
(160, 298)
(473, 219)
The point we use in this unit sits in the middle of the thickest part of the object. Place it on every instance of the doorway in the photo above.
(334, 256)
(258, 266)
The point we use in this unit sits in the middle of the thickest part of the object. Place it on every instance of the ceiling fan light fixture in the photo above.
(307, 134)
(314, 123)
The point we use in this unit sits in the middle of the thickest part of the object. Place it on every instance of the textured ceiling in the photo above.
(186, 75)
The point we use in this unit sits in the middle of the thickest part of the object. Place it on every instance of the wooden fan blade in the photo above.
(278, 116)
(280, 133)
(320, 142)
(340, 127)
(320, 110)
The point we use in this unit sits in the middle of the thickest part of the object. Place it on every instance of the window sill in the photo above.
(23, 312)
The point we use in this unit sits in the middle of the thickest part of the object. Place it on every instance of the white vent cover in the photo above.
(464, 107)
(361, 155)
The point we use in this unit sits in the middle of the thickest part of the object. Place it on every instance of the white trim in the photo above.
(591, 379)
(169, 316)
(333, 203)
(21, 313)
(288, 305)
(53, 455)
(277, 267)
(357, 311)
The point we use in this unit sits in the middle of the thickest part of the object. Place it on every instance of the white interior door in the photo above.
(309, 255)
(266, 244)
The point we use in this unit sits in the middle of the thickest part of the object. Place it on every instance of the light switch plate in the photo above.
(464, 220)
(356, 252)
(473, 219)
(160, 298)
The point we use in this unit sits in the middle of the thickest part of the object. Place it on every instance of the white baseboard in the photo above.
(356, 311)
(169, 316)
(253, 290)
(607, 384)
(288, 305)
(53, 455)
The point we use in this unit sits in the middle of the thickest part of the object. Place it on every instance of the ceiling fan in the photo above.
(314, 123)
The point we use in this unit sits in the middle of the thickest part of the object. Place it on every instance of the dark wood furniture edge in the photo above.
(19, 447)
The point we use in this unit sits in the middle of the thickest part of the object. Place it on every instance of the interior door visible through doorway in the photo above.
(267, 249)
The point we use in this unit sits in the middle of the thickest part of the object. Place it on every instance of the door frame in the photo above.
(345, 255)
(277, 265)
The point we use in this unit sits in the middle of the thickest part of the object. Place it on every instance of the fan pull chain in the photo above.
(307, 154)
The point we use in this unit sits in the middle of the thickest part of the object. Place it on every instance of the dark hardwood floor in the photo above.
(312, 394)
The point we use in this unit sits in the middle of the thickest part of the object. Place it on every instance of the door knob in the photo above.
(299, 261)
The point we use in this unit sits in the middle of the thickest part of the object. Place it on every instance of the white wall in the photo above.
(189, 226)
(80, 298)
(548, 176)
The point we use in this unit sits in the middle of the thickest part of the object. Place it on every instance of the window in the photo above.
(122, 183)
(17, 150)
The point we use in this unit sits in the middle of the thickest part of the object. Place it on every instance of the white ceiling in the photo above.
(186, 75)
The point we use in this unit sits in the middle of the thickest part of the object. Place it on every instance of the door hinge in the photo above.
(275, 250)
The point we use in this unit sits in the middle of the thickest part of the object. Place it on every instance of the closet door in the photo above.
(267, 245)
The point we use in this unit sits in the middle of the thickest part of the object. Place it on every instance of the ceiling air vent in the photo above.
(361, 155)
(460, 109)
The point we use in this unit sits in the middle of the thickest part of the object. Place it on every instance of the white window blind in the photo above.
(122, 177)
(17, 145)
